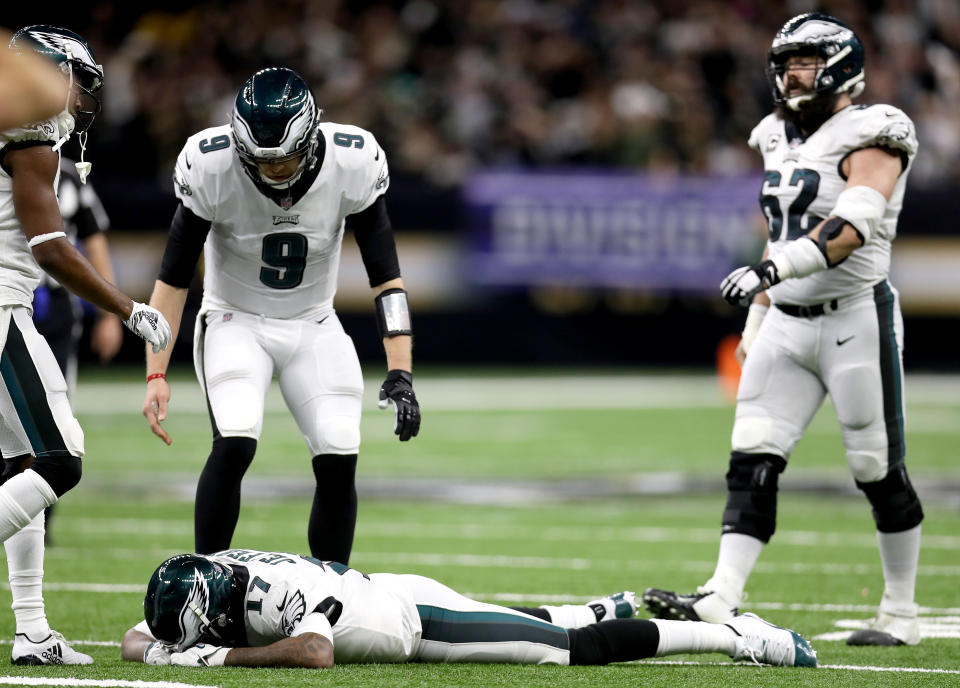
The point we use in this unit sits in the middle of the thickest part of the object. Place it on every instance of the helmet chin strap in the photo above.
(65, 117)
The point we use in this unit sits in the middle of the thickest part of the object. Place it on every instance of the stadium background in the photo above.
(569, 181)
(663, 92)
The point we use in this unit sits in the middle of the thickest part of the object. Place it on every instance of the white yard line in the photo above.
(104, 683)
(90, 643)
(629, 390)
(840, 667)
(575, 563)
(477, 531)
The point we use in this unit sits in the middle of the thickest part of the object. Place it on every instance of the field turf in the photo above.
(521, 489)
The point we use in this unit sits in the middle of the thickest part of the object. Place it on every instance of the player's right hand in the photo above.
(149, 324)
(155, 407)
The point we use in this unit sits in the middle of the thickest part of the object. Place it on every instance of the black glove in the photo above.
(740, 286)
(398, 388)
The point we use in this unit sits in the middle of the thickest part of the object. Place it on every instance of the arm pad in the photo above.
(799, 259)
(862, 207)
(755, 316)
(393, 313)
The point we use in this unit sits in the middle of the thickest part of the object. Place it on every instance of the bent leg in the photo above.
(778, 397)
(236, 373)
(322, 385)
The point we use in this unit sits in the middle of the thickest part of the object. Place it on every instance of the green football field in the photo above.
(521, 489)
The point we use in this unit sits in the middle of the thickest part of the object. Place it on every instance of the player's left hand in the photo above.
(156, 654)
(740, 286)
(200, 655)
(398, 390)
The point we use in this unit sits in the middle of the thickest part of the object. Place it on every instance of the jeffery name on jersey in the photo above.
(19, 272)
(804, 177)
(278, 259)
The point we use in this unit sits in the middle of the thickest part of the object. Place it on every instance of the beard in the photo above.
(811, 114)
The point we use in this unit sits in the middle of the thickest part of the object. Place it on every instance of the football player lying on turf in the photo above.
(271, 609)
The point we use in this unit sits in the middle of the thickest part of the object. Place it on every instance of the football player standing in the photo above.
(267, 199)
(823, 319)
(40, 440)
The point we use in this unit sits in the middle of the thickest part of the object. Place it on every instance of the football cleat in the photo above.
(623, 605)
(53, 649)
(761, 642)
(703, 605)
(888, 630)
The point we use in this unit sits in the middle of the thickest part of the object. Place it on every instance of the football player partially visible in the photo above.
(267, 198)
(41, 441)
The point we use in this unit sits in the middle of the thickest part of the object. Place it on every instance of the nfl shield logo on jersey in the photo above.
(286, 202)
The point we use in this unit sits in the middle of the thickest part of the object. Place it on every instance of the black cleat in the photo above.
(700, 606)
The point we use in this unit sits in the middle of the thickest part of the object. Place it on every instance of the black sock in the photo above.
(334, 514)
(217, 506)
(616, 640)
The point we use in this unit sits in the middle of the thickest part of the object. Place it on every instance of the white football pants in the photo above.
(237, 354)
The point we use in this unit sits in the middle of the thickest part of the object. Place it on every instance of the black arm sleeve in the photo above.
(374, 236)
(188, 232)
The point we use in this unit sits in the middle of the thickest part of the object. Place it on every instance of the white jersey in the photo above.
(276, 259)
(368, 618)
(19, 272)
(802, 180)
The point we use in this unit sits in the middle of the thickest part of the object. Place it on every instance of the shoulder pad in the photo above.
(47, 130)
(352, 147)
(762, 132)
(885, 126)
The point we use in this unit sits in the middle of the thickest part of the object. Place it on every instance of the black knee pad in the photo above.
(752, 494)
(61, 471)
(896, 506)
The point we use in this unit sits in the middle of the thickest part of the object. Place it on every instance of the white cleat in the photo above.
(888, 630)
(622, 605)
(761, 642)
(53, 649)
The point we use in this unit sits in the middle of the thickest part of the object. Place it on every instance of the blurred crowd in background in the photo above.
(666, 86)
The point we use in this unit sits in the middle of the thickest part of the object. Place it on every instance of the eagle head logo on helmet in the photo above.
(840, 68)
(188, 601)
(77, 62)
(275, 120)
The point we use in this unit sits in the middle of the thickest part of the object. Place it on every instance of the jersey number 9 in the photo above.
(286, 254)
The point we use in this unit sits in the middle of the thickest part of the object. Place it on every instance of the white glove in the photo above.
(156, 654)
(740, 286)
(200, 655)
(149, 324)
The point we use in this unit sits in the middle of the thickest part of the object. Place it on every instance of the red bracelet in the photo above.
(156, 376)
